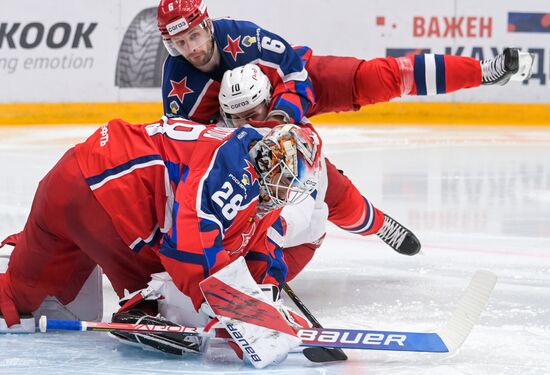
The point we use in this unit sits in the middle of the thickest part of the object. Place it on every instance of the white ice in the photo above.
(478, 198)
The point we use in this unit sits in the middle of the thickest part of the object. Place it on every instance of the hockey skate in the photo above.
(510, 65)
(398, 237)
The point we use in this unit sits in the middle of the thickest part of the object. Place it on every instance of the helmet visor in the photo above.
(188, 42)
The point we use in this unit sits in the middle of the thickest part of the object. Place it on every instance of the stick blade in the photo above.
(322, 355)
(469, 309)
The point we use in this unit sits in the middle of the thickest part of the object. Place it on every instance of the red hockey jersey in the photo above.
(190, 191)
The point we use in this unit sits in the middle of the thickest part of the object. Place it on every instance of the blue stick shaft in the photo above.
(65, 325)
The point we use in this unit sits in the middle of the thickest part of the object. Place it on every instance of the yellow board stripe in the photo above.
(384, 113)
(444, 114)
(78, 113)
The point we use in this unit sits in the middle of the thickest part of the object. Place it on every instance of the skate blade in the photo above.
(525, 69)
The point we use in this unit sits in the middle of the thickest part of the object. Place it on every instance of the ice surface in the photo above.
(478, 198)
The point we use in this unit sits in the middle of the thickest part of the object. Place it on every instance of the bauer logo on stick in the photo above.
(327, 336)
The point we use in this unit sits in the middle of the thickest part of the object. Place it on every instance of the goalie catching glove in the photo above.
(145, 306)
(168, 342)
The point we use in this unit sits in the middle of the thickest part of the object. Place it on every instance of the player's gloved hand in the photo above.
(145, 300)
(168, 342)
(295, 319)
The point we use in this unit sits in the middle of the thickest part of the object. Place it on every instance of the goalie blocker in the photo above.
(259, 327)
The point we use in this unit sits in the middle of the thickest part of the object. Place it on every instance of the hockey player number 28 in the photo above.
(229, 204)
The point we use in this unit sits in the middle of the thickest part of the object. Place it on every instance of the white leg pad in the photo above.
(176, 306)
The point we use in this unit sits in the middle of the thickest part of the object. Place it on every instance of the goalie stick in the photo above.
(318, 354)
(447, 339)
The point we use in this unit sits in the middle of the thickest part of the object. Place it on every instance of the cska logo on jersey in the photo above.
(180, 89)
(233, 47)
(252, 172)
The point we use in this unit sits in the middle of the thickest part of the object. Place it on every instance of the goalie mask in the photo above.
(178, 17)
(242, 91)
(288, 163)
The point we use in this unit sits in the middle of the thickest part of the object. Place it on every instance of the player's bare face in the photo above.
(258, 113)
(196, 45)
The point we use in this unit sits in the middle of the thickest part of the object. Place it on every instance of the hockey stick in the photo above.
(311, 337)
(319, 354)
(447, 339)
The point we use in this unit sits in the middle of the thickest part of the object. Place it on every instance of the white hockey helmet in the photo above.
(242, 89)
(288, 163)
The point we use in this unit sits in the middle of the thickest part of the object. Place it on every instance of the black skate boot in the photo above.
(510, 64)
(398, 237)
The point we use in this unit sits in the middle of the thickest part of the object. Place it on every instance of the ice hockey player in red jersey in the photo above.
(202, 50)
(244, 97)
(304, 84)
(172, 195)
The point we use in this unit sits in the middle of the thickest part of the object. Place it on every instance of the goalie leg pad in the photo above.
(176, 306)
(88, 304)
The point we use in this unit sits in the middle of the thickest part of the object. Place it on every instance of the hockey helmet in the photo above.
(288, 163)
(178, 16)
(241, 90)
